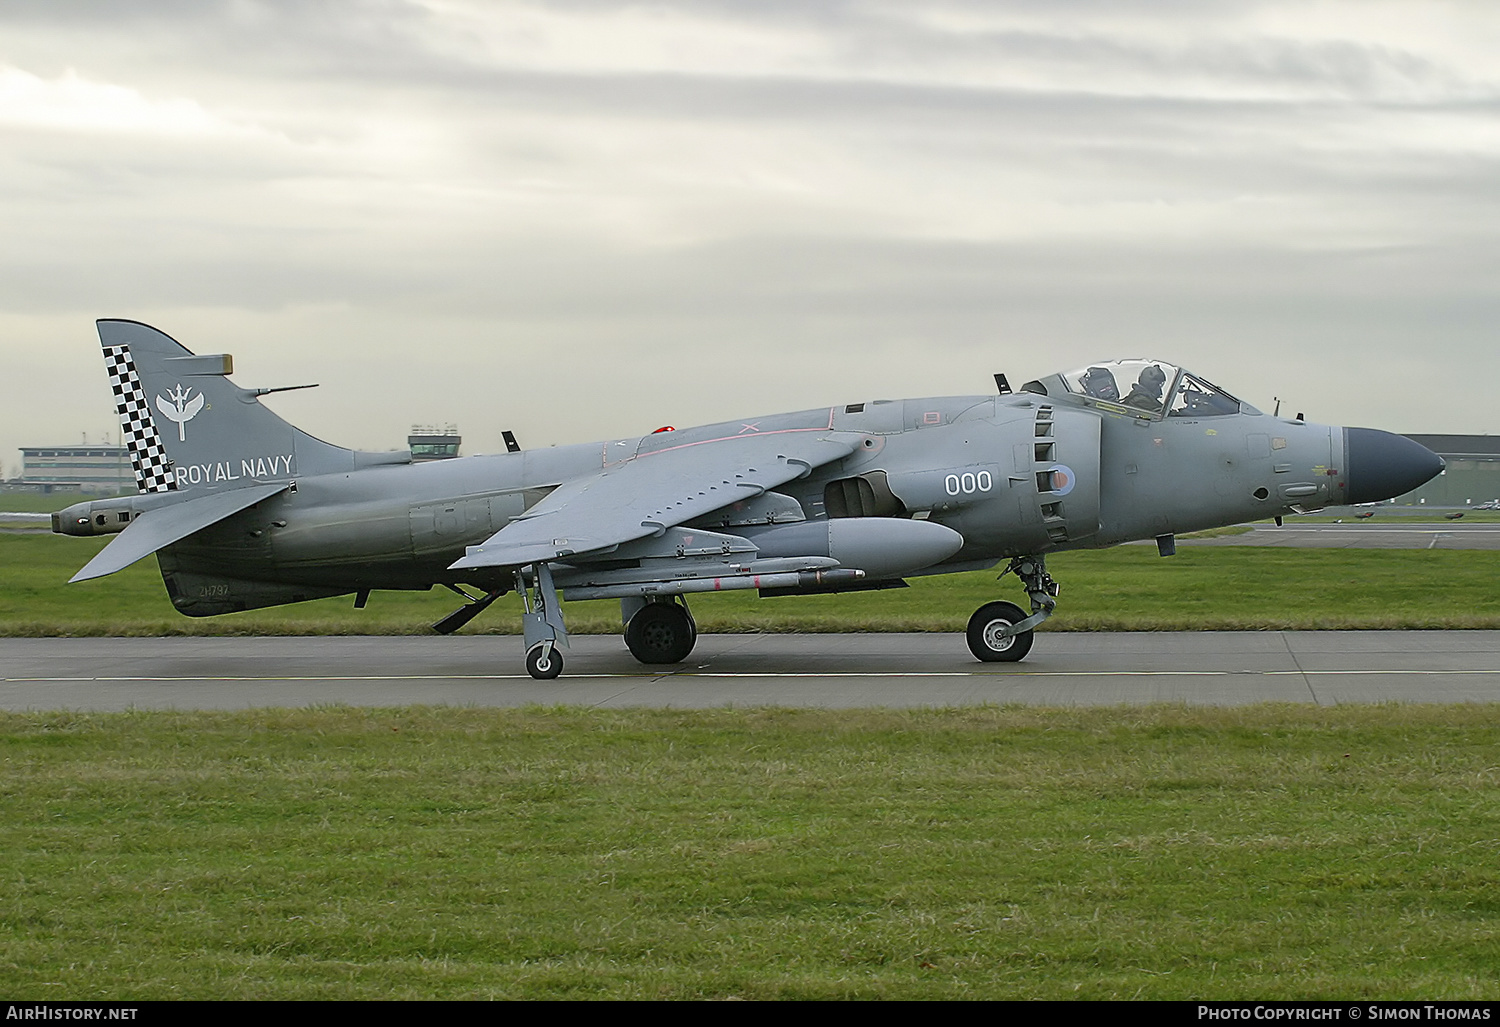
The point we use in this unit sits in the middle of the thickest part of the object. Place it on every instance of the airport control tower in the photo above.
(429, 442)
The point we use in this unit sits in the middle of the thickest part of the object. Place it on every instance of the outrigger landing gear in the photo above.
(542, 623)
(1000, 632)
(659, 630)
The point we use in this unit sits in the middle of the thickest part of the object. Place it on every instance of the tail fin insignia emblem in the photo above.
(181, 409)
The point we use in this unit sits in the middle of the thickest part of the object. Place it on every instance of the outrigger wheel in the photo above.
(661, 632)
(544, 662)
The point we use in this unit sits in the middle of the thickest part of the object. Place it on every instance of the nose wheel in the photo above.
(987, 638)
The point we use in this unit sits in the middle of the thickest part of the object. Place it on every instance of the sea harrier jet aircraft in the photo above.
(243, 510)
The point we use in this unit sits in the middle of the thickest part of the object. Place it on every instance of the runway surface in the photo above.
(827, 671)
(1370, 534)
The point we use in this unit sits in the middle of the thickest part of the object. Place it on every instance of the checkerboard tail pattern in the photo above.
(153, 471)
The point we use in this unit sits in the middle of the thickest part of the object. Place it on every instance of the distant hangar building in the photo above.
(95, 469)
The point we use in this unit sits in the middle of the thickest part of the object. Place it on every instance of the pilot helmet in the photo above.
(1153, 378)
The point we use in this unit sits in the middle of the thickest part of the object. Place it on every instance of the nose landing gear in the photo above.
(1000, 632)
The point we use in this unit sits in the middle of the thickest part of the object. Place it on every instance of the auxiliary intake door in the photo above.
(1065, 468)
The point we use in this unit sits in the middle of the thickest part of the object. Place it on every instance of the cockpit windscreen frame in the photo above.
(1156, 389)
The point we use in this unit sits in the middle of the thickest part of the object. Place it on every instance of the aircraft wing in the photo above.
(161, 527)
(649, 493)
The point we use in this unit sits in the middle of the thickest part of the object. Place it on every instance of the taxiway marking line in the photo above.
(478, 677)
(766, 674)
(1413, 530)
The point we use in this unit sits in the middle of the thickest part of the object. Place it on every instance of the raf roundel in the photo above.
(1063, 480)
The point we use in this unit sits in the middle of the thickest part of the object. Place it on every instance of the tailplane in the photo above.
(189, 428)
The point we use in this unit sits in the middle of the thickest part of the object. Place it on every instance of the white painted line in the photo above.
(662, 675)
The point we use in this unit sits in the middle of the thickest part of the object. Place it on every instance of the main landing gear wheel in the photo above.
(661, 633)
(984, 635)
(544, 663)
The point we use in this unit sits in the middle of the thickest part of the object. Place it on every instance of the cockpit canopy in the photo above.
(1144, 388)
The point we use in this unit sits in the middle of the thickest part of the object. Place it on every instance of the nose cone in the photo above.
(1379, 465)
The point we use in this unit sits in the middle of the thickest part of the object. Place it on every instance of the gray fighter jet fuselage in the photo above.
(244, 511)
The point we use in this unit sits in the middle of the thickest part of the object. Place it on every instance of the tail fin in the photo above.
(205, 433)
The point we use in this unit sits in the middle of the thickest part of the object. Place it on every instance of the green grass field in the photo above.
(1009, 853)
(25, 502)
(1128, 588)
(1271, 852)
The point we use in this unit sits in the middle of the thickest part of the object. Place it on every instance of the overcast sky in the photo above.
(581, 219)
